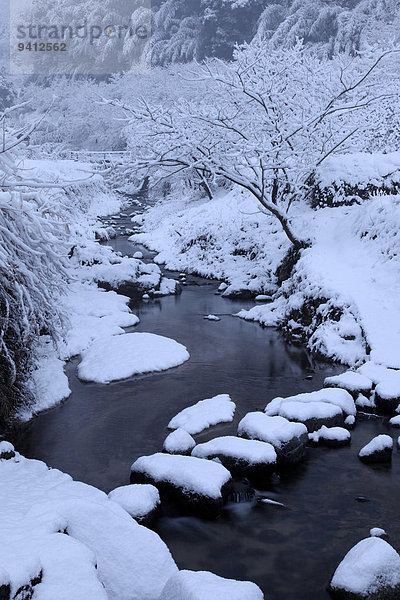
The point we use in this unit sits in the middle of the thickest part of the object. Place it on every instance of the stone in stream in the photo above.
(289, 439)
(333, 437)
(379, 450)
(369, 571)
(314, 415)
(167, 287)
(338, 397)
(142, 502)
(7, 451)
(179, 442)
(387, 393)
(251, 458)
(395, 421)
(353, 382)
(198, 486)
(202, 585)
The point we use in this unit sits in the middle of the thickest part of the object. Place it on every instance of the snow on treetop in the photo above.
(191, 474)
(204, 414)
(368, 568)
(336, 396)
(275, 430)
(360, 168)
(252, 451)
(380, 442)
(201, 585)
(118, 357)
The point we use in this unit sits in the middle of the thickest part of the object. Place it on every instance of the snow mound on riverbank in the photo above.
(122, 356)
(206, 413)
(371, 567)
(62, 528)
(193, 475)
(201, 585)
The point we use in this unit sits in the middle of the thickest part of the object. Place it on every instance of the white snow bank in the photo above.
(350, 381)
(39, 504)
(179, 442)
(204, 414)
(48, 383)
(360, 168)
(118, 357)
(371, 566)
(379, 443)
(275, 430)
(137, 500)
(331, 434)
(201, 585)
(185, 472)
(376, 373)
(337, 397)
(252, 451)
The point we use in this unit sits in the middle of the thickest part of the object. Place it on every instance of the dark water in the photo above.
(289, 552)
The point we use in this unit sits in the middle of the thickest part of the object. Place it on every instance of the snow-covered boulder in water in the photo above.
(370, 571)
(333, 437)
(395, 421)
(353, 382)
(206, 413)
(251, 458)
(142, 502)
(337, 397)
(179, 442)
(198, 486)
(168, 287)
(378, 450)
(289, 439)
(387, 393)
(7, 451)
(314, 415)
(202, 585)
(122, 356)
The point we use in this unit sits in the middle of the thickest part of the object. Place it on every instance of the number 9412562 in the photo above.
(43, 47)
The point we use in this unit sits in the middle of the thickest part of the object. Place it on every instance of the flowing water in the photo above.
(331, 501)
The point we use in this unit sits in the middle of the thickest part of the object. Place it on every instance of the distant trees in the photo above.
(265, 124)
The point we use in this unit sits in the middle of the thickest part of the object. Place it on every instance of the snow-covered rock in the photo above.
(222, 287)
(211, 318)
(202, 585)
(335, 396)
(263, 298)
(314, 415)
(379, 449)
(387, 393)
(395, 421)
(365, 404)
(179, 442)
(241, 456)
(377, 532)
(142, 502)
(52, 525)
(350, 422)
(206, 413)
(334, 437)
(289, 439)
(167, 287)
(7, 450)
(353, 382)
(138, 255)
(370, 570)
(122, 356)
(199, 486)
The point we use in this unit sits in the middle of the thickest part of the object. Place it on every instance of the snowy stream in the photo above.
(331, 501)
